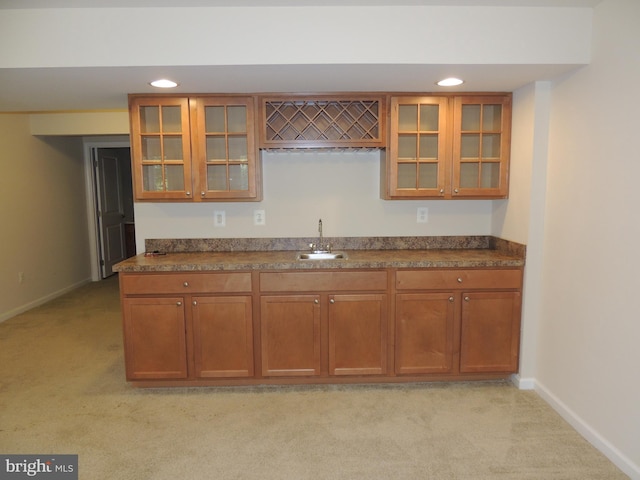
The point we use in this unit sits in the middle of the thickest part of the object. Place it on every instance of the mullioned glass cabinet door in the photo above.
(226, 148)
(481, 139)
(161, 148)
(417, 165)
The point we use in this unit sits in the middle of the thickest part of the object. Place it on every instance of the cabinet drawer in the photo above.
(159, 283)
(458, 279)
(323, 281)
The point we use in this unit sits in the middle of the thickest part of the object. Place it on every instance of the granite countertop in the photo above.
(187, 255)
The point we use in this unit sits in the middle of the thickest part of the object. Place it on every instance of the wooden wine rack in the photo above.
(323, 121)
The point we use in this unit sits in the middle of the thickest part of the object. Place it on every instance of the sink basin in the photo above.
(321, 256)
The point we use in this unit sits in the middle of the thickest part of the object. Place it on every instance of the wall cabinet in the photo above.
(448, 147)
(200, 148)
(323, 121)
(205, 147)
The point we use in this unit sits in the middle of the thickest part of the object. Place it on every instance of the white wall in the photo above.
(295, 35)
(44, 232)
(588, 355)
(342, 188)
(521, 217)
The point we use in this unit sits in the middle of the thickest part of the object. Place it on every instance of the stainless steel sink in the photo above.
(321, 256)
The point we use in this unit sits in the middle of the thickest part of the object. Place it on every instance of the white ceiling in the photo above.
(107, 87)
(100, 88)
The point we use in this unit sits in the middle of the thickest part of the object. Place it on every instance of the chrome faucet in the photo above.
(320, 247)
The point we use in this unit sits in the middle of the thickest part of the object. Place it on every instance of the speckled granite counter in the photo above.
(182, 255)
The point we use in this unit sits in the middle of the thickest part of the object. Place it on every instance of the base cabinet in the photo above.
(321, 326)
(358, 334)
(222, 336)
(490, 332)
(187, 326)
(154, 338)
(459, 321)
(290, 335)
(424, 333)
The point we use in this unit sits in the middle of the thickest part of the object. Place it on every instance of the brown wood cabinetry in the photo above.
(196, 148)
(222, 336)
(161, 148)
(321, 326)
(448, 147)
(424, 333)
(462, 321)
(325, 323)
(290, 335)
(206, 147)
(323, 121)
(358, 334)
(155, 339)
(490, 332)
(176, 327)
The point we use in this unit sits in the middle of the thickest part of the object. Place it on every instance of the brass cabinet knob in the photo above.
(188, 193)
(195, 303)
(186, 284)
(466, 299)
(316, 301)
(179, 304)
(451, 299)
(202, 194)
(332, 301)
(459, 279)
(455, 190)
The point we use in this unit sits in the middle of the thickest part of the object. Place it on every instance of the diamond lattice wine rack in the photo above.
(323, 122)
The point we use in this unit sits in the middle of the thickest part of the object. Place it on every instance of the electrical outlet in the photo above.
(219, 218)
(259, 217)
(422, 215)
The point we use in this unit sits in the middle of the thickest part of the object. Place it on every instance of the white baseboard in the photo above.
(523, 383)
(623, 462)
(41, 301)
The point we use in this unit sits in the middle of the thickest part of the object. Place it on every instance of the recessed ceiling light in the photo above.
(163, 83)
(450, 82)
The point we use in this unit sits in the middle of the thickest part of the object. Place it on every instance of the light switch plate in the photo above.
(259, 217)
(219, 218)
(422, 215)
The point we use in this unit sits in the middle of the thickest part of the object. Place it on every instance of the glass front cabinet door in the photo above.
(199, 148)
(161, 148)
(447, 147)
(481, 143)
(418, 149)
(226, 150)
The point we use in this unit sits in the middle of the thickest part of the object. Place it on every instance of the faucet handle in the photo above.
(312, 246)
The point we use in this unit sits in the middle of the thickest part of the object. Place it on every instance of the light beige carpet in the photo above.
(62, 391)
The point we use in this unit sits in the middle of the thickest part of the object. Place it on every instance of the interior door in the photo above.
(111, 216)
